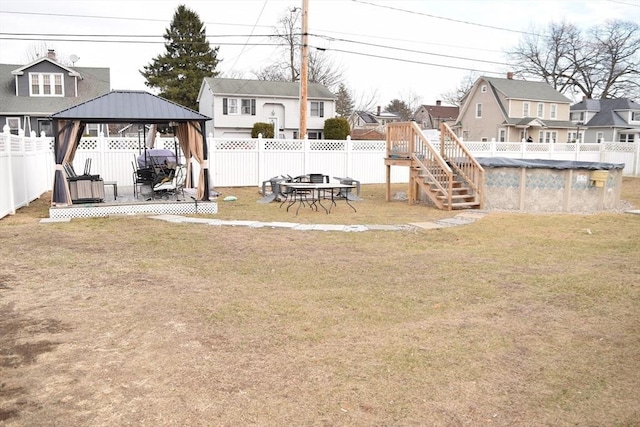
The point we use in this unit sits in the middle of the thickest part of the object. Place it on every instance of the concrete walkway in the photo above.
(463, 218)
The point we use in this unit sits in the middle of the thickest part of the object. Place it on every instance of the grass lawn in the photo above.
(513, 320)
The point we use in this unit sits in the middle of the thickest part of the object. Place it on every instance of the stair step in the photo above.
(456, 196)
(463, 205)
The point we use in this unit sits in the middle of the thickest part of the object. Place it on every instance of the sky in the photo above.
(410, 50)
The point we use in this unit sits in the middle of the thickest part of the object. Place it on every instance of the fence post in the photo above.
(306, 149)
(261, 161)
(12, 195)
(348, 146)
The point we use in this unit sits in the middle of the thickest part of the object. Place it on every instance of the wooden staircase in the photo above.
(450, 177)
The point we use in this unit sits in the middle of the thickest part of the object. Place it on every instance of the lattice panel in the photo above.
(363, 145)
(237, 144)
(284, 144)
(88, 144)
(95, 211)
(537, 148)
(326, 145)
(620, 146)
(124, 144)
(507, 146)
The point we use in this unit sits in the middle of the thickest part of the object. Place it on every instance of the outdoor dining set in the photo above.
(159, 170)
(313, 190)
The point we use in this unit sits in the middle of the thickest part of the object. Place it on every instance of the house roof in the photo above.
(20, 70)
(367, 134)
(607, 111)
(95, 82)
(123, 106)
(441, 111)
(522, 89)
(234, 87)
(533, 121)
(366, 117)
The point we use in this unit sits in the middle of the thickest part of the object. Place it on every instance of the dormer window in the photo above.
(635, 116)
(46, 84)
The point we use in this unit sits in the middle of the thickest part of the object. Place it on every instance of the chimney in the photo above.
(51, 54)
(510, 75)
(378, 111)
(438, 102)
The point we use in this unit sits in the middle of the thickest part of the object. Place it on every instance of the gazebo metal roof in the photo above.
(128, 106)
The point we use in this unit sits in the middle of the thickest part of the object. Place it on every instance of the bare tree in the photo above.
(602, 63)
(366, 101)
(322, 69)
(455, 96)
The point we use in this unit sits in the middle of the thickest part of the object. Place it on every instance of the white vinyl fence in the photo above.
(27, 162)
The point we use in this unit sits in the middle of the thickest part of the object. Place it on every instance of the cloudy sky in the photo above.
(386, 49)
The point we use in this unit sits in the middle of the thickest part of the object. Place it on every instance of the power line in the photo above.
(446, 19)
(415, 51)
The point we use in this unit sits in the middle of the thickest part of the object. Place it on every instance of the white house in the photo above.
(236, 104)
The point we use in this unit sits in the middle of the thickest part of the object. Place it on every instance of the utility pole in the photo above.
(304, 69)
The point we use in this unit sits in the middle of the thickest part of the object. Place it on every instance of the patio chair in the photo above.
(174, 185)
(138, 180)
(276, 191)
(350, 181)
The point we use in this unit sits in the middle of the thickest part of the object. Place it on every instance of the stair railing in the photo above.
(406, 140)
(461, 160)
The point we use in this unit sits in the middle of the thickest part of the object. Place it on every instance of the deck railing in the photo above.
(461, 160)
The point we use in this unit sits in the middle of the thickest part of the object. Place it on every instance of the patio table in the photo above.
(314, 193)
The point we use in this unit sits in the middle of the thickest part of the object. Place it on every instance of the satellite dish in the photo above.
(74, 59)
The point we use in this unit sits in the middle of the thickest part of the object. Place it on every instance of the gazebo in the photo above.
(137, 107)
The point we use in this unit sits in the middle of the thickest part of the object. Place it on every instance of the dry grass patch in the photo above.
(516, 319)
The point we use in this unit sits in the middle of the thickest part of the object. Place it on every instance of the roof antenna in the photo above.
(74, 58)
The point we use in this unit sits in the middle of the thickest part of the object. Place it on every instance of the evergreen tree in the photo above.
(188, 59)
(400, 108)
(344, 102)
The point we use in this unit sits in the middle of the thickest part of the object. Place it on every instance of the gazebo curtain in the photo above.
(193, 145)
(66, 143)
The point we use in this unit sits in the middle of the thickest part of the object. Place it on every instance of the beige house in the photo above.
(514, 110)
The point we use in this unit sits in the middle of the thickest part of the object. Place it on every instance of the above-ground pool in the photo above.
(539, 185)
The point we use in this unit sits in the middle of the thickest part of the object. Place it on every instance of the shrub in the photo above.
(337, 128)
(266, 129)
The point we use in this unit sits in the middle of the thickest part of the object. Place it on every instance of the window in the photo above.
(553, 114)
(91, 129)
(45, 126)
(599, 137)
(317, 109)
(237, 106)
(314, 135)
(502, 134)
(540, 110)
(525, 109)
(483, 89)
(577, 116)
(249, 107)
(46, 84)
(14, 124)
(635, 116)
(626, 137)
(478, 110)
(573, 136)
(549, 136)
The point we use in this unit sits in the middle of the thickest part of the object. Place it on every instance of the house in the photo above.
(236, 104)
(30, 93)
(514, 110)
(607, 119)
(431, 116)
(367, 125)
